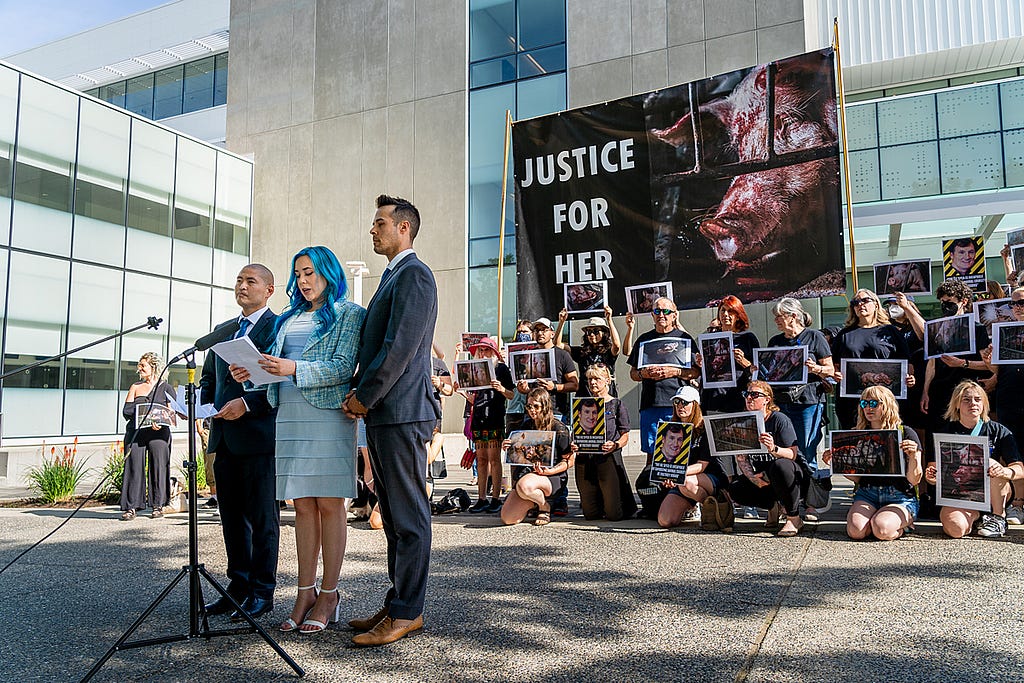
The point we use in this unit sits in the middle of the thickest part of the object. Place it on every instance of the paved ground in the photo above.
(574, 601)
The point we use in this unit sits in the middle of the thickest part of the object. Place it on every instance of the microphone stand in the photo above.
(198, 623)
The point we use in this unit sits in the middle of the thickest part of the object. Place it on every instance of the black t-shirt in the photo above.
(585, 358)
(489, 405)
(562, 452)
(872, 343)
(899, 483)
(563, 366)
(700, 451)
(730, 400)
(817, 349)
(946, 378)
(657, 393)
(1002, 446)
(782, 430)
(438, 369)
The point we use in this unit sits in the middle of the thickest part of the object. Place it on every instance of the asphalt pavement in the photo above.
(572, 601)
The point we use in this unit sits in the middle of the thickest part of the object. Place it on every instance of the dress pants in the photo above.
(250, 521)
(157, 444)
(398, 456)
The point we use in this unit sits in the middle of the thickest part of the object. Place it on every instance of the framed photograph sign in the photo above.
(735, 433)
(781, 365)
(671, 452)
(588, 427)
(867, 453)
(718, 361)
(961, 472)
(861, 373)
(529, 447)
(474, 374)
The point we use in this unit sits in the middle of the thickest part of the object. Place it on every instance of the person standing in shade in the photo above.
(242, 436)
(658, 384)
(392, 391)
(152, 441)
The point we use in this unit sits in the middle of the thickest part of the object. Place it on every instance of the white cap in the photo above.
(542, 321)
(688, 394)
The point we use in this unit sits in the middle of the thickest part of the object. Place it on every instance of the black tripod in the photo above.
(198, 624)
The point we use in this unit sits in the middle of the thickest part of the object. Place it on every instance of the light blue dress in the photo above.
(315, 446)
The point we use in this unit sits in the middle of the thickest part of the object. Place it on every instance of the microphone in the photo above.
(203, 343)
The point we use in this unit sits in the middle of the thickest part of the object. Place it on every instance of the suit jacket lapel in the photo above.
(391, 280)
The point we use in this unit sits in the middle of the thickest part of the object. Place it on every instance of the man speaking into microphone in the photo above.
(242, 436)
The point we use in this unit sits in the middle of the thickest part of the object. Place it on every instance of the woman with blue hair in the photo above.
(315, 351)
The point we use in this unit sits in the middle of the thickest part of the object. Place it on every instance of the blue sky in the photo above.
(29, 23)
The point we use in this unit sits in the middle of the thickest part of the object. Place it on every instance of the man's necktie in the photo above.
(388, 272)
(243, 327)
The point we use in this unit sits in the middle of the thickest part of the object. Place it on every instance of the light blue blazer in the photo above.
(328, 359)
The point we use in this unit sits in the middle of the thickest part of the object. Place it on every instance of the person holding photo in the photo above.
(776, 480)
(600, 345)
(153, 442)
(658, 384)
(515, 410)
(316, 340)
(868, 334)
(533, 487)
(884, 507)
(487, 424)
(944, 373)
(1009, 403)
(732, 317)
(705, 474)
(804, 404)
(601, 477)
(967, 414)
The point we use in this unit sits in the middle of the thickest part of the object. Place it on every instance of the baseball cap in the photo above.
(542, 322)
(688, 394)
(596, 322)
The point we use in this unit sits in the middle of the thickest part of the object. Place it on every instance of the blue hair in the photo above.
(326, 265)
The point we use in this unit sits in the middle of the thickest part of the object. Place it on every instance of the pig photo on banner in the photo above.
(621, 191)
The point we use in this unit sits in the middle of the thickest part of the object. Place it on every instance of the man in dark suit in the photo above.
(393, 393)
(242, 436)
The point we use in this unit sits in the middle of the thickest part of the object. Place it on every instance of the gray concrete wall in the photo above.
(619, 48)
(340, 101)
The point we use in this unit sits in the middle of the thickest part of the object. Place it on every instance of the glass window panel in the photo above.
(113, 93)
(491, 29)
(910, 170)
(486, 139)
(45, 157)
(541, 22)
(971, 163)
(150, 188)
(909, 119)
(500, 70)
(144, 296)
(198, 87)
(967, 111)
(91, 403)
(542, 61)
(861, 126)
(138, 96)
(220, 80)
(8, 123)
(539, 96)
(1011, 97)
(101, 184)
(37, 316)
(232, 217)
(1013, 150)
(167, 92)
(190, 319)
(484, 252)
(483, 299)
(195, 179)
(864, 180)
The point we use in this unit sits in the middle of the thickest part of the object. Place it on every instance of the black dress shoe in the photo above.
(256, 607)
(219, 606)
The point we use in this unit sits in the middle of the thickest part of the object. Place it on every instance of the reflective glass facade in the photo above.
(517, 63)
(105, 219)
(176, 90)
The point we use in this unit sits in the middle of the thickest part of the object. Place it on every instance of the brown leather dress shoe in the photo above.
(368, 623)
(388, 631)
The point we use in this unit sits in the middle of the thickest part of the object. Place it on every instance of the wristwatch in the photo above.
(967, 363)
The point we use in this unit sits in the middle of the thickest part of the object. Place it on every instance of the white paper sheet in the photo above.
(243, 352)
(203, 410)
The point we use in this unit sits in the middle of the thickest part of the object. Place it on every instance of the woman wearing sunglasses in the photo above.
(704, 473)
(532, 487)
(967, 413)
(1009, 403)
(884, 507)
(600, 346)
(870, 335)
(774, 480)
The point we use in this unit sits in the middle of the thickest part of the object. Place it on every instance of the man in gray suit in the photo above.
(392, 392)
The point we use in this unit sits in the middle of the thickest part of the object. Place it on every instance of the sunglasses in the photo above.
(858, 302)
(1019, 303)
(754, 395)
(534, 406)
(662, 311)
(868, 403)
(680, 401)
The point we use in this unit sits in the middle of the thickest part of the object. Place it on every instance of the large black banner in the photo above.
(729, 185)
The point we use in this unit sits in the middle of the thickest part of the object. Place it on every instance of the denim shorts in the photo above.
(880, 496)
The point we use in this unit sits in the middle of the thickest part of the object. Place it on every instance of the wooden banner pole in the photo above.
(846, 152)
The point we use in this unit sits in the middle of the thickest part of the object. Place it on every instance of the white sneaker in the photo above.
(692, 515)
(1015, 514)
(750, 513)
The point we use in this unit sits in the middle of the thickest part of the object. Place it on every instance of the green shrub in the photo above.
(58, 476)
(200, 471)
(113, 472)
